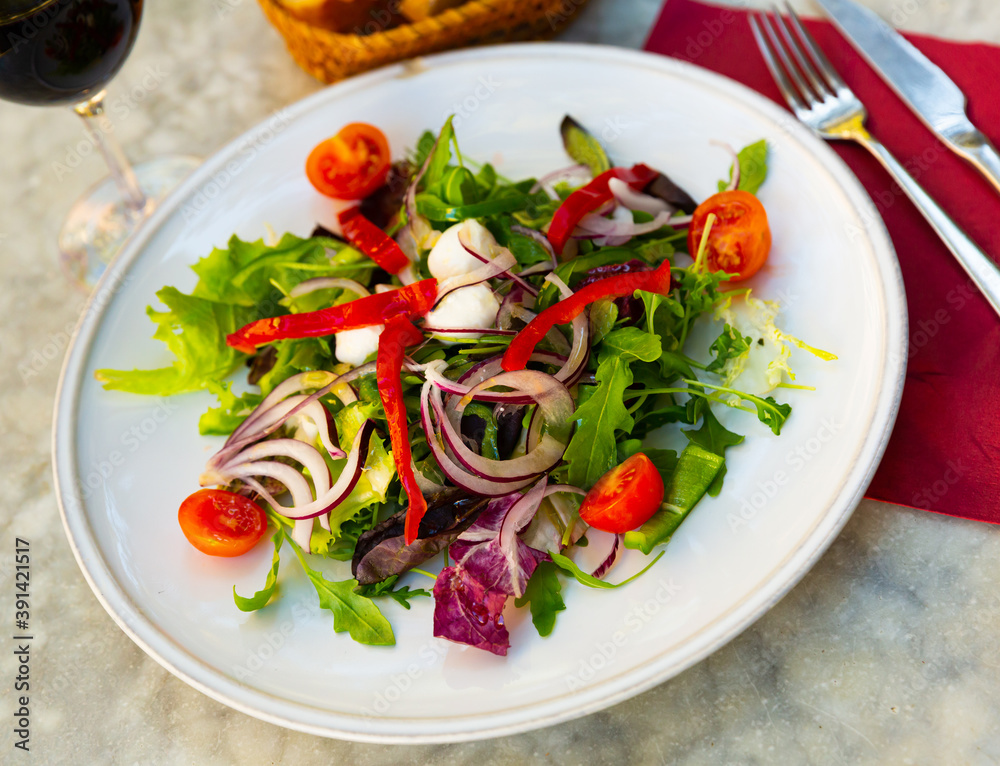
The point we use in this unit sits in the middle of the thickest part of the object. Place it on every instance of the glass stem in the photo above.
(118, 164)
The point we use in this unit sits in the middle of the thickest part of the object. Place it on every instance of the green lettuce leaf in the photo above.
(195, 330)
(259, 599)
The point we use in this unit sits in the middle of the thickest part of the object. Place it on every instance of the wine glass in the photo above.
(65, 52)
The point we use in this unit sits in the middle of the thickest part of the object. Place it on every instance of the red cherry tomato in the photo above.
(740, 238)
(624, 498)
(352, 164)
(221, 523)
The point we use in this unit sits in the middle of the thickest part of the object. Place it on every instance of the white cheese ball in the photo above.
(353, 347)
(449, 259)
(470, 307)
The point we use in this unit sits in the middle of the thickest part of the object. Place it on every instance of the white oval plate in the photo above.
(123, 463)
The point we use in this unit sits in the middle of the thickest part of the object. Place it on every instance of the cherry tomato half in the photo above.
(624, 498)
(352, 164)
(221, 523)
(740, 238)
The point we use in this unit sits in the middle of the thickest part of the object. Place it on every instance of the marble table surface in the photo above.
(886, 653)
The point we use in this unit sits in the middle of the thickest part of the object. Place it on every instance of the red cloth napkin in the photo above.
(944, 454)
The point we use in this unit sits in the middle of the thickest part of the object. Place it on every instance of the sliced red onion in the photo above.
(290, 477)
(580, 350)
(305, 454)
(540, 238)
(634, 200)
(527, 467)
(595, 224)
(455, 473)
(570, 174)
(434, 373)
(328, 283)
(734, 182)
(417, 227)
(517, 298)
(538, 268)
(568, 488)
(502, 252)
(501, 264)
(252, 428)
(521, 514)
(610, 559)
(335, 495)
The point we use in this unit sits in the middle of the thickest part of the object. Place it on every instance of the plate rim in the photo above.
(311, 719)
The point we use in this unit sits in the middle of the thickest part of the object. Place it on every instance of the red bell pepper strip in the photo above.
(409, 301)
(397, 335)
(590, 198)
(568, 309)
(372, 241)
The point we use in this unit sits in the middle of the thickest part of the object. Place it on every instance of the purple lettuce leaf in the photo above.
(491, 550)
(492, 563)
(466, 612)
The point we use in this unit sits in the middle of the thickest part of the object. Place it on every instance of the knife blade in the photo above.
(919, 82)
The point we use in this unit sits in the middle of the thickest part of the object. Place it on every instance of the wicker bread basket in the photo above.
(330, 56)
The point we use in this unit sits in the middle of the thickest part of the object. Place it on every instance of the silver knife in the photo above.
(930, 93)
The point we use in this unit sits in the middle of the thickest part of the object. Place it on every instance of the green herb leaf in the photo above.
(232, 410)
(729, 345)
(592, 451)
(353, 613)
(582, 147)
(259, 599)
(753, 168)
(543, 595)
(385, 588)
(592, 582)
(631, 344)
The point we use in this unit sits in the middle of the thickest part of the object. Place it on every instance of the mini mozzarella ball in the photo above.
(353, 347)
(449, 259)
(466, 308)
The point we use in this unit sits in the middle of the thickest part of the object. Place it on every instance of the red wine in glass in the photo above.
(65, 52)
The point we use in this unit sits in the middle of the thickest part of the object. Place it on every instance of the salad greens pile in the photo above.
(640, 376)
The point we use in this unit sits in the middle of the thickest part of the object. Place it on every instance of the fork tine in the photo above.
(819, 86)
(789, 67)
(814, 50)
(784, 84)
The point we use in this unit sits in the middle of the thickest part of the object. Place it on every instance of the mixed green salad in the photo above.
(471, 371)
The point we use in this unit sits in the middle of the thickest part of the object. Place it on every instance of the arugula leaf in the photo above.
(401, 596)
(729, 345)
(631, 344)
(436, 209)
(753, 168)
(769, 412)
(544, 596)
(603, 315)
(353, 613)
(195, 330)
(582, 147)
(441, 154)
(590, 581)
(259, 599)
(592, 451)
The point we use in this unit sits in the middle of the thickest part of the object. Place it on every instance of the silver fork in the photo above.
(821, 99)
